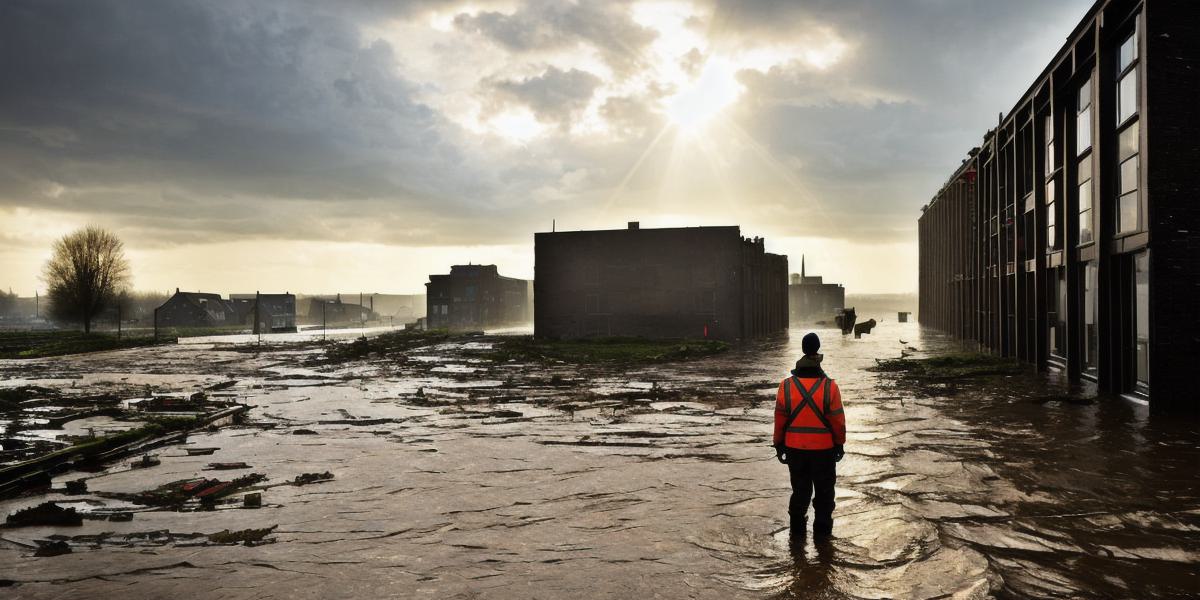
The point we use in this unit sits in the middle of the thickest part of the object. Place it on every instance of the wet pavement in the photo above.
(456, 477)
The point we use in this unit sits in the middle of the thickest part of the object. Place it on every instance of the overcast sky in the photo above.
(303, 145)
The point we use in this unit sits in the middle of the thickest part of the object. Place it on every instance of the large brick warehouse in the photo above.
(1070, 238)
(686, 282)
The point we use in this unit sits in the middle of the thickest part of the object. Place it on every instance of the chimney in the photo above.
(634, 225)
(176, 290)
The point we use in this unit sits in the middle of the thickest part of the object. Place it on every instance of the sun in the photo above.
(700, 100)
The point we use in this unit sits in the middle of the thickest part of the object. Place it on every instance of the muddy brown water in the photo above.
(527, 481)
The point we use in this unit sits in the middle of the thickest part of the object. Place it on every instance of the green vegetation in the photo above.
(388, 343)
(11, 398)
(245, 536)
(945, 375)
(949, 367)
(41, 344)
(601, 350)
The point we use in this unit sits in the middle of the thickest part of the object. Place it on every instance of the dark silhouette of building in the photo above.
(332, 311)
(811, 299)
(1069, 238)
(398, 308)
(195, 309)
(476, 297)
(275, 313)
(658, 283)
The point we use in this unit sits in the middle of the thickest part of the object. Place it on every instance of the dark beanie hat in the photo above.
(811, 344)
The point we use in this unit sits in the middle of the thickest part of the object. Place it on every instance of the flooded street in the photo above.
(455, 476)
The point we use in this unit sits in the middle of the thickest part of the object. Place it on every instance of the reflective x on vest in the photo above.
(806, 399)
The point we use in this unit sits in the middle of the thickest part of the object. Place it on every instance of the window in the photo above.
(1141, 318)
(1091, 335)
(1083, 119)
(1084, 177)
(1057, 318)
(592, 304)
(1127, 79)
(1050, 158)
(1051, 218)
(1129, 208)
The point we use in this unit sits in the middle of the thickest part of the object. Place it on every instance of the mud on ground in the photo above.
(458, 472)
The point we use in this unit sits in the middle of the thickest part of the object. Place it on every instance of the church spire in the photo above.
(802, 266)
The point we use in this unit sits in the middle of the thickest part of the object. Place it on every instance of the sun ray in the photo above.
(620, 187)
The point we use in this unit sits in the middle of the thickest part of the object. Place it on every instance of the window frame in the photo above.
(1132, 120)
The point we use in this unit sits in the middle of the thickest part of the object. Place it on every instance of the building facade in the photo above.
(477, 297)
(690, 282)
(265, 313)
(195, 309)
(810, 299)
(1070, 238)
(333, 312)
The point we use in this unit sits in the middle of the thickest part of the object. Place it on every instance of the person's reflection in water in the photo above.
(811, 570)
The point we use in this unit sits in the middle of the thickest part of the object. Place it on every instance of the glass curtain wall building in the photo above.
(1070, 238)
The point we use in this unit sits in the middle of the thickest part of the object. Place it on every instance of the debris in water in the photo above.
(248, 537)
(308, 478)
(54, 548)
(226, 466)
(47, 513)
(148, 460)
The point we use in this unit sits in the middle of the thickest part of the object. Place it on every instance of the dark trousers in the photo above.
(812, 471)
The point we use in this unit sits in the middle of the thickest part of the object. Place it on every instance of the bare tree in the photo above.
(86, 273)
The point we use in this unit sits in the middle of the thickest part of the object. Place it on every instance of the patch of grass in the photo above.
(42, 344)
(11, 398)
(245, 536)
(382, 345)
(949, 367)
(601, 350)
(170, 424)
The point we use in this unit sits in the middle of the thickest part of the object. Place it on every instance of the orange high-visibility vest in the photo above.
(799, 406)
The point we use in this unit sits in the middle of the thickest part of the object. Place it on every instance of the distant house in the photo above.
(477, 297)
(400, 308)
(276, 312)
(332, 311)
(195, 309)
(811, 299)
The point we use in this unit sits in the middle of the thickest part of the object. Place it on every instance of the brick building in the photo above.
(811, 299)
(275, 313)
(195, 309)
(477, 297)
(1071, 237)
(658, 283)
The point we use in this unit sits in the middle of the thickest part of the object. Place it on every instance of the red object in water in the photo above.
(220, 487)
(192, 487)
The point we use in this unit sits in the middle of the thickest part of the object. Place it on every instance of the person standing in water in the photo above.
(810, 431)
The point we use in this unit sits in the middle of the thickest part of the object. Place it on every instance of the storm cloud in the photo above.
(424, 124)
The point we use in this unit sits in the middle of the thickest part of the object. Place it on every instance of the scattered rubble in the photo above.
(307, 478)
(226, 466)
(248, 537)
(53, 548)
(47, 513)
